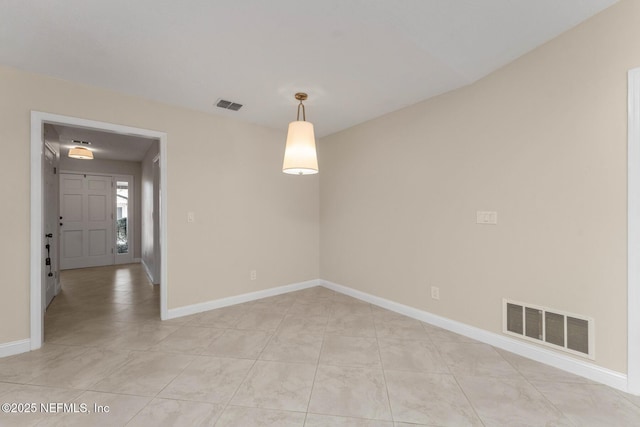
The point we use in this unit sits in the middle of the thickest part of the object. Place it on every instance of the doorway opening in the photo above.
(118, 242)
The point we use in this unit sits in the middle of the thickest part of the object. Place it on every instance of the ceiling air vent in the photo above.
(569, 332)
(228, 105)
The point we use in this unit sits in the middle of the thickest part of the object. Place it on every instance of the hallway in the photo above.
(116, 300)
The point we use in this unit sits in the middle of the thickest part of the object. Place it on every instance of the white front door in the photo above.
(86, 211)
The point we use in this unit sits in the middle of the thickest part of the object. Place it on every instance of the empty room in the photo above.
(334, 213)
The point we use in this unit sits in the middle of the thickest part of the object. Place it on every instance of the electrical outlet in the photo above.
(253, 275)
(435, 292)
(191, 217)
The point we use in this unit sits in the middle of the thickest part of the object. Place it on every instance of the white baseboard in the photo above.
(137, 260)
(15, 347)
(148, 271)
(566, 363)
(238, 299)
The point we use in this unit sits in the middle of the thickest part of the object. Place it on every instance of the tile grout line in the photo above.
(209, 356)
(137, 323)
(384, 374)
(453, 375)
(228, 402)
(527, 380)
(315, 373)
(313, 383)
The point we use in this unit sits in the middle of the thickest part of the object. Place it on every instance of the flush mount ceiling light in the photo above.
(300, 152)
(80, 153)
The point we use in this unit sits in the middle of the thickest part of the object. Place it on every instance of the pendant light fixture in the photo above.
(300, 151)
(80, 153)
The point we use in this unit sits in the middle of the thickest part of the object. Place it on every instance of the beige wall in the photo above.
(249, 215)
(542, 142)
(114, 167)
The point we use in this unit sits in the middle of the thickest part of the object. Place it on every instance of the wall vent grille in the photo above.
(561, 330)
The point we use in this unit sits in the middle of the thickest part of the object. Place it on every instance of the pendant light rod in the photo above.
(301, 96)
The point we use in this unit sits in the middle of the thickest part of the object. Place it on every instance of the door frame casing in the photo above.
(55, 248)
(633, 233)
(38, 119)
(155, 164)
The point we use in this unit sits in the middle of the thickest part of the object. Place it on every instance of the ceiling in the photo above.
(356, 59)
(105, 145)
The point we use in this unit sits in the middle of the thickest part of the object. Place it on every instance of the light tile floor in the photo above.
(307, 358)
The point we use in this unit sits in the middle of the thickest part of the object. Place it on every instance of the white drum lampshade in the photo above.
(300, 152)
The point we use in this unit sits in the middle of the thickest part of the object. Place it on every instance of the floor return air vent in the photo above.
(561, 330)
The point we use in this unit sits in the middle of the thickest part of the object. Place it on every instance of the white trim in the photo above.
(561, 361)
(137, 260)
(68, 172)
(147, 270)
(36, 316)
(164, 254)
(239, 299)
(155, 164)
(633, 232)
(38, 119)
(15, 347)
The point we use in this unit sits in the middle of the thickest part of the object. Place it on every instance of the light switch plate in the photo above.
(486, 217)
